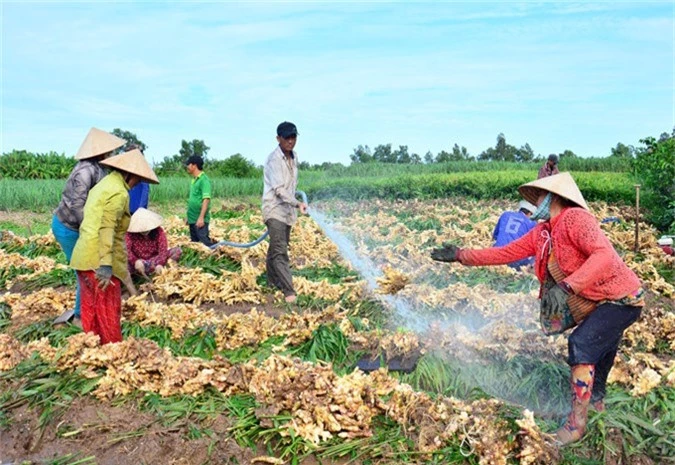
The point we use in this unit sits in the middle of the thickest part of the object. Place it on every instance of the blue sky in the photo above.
(557, 75)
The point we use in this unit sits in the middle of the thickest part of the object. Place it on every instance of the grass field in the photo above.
(394, 183)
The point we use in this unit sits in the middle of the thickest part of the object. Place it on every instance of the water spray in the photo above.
(481, 369)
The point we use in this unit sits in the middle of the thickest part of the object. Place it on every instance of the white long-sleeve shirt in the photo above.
(280, 175)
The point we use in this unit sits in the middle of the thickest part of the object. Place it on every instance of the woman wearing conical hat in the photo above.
(97, 146)
(147, 247)
(584, 283)
(100, 255)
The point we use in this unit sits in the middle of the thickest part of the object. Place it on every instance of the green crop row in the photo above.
(20, 164)
(609, 187)
(43, 195)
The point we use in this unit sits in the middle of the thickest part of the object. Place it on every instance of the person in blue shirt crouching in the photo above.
(513, 225)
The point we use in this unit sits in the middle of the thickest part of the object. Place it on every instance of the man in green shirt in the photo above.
(198, 215)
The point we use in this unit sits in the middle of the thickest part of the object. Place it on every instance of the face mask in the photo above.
(543, 211)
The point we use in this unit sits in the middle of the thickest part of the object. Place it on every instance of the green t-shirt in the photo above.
(200, 189)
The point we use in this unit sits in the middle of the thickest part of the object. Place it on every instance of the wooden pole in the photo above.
(637, 218)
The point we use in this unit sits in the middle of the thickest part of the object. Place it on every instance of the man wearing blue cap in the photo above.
(279, 207)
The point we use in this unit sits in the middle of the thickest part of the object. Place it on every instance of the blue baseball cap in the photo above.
(286, 130)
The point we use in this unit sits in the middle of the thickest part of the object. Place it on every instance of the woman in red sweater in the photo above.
(147, 247)
(583, 280)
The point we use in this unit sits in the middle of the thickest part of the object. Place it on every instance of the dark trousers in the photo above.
(200, 234)
(596, 340)
(278, 263)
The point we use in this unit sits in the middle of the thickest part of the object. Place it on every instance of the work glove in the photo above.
(554, 301)
(447, 253)
(103, 276)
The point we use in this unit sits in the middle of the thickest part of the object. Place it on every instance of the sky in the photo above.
(578, 76)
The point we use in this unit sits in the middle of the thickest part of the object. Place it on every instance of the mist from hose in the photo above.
(489, 374)
(370, 272)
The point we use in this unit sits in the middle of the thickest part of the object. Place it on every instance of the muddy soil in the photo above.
(115, 436)
(102, 434)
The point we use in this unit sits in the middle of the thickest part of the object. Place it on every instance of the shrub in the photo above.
(20, 164)
(655, 167)
(235, 166)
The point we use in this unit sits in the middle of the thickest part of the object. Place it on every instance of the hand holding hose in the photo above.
(448, 253)
(303, 207)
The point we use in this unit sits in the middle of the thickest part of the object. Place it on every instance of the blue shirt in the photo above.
(138, 196)
(511, 226)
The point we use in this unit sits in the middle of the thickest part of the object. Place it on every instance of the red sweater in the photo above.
(593, 268)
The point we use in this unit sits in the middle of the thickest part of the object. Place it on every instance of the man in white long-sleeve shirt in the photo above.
(279, 205)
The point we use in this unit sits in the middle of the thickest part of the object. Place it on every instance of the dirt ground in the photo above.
(115, 436)
(110, 435)
(124, 435)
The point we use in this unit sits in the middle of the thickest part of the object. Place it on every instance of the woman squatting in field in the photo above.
(100, 255)
(147, 247)
(583, 280)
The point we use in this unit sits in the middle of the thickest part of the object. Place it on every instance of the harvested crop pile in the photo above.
(392, 281)
(46, 303)
(321, 404)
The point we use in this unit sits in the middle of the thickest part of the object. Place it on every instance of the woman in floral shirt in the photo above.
(147, 247)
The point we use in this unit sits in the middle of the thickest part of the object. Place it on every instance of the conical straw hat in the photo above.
(561, 184)
(97, 143)
(144, 220)
(132, 162)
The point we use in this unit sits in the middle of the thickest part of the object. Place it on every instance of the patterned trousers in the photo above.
(101, 309)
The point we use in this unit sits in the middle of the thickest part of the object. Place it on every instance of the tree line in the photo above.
(653, 164)
(502, 151)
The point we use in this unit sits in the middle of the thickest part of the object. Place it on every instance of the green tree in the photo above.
(655, 167)
(401, 155)
(525, 153)
(501, 148)
(428, 157)
(500, 152)
(131, 138)
(195, 147)
(623, 151)
(361, 155)
(176, 163)
(443, 156)
(460, 153)
(235, 166)
(567, 155)
(384, 154)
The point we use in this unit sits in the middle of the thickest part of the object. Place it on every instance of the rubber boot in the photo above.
(599, 405)
(602, 369)
(582, 387)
